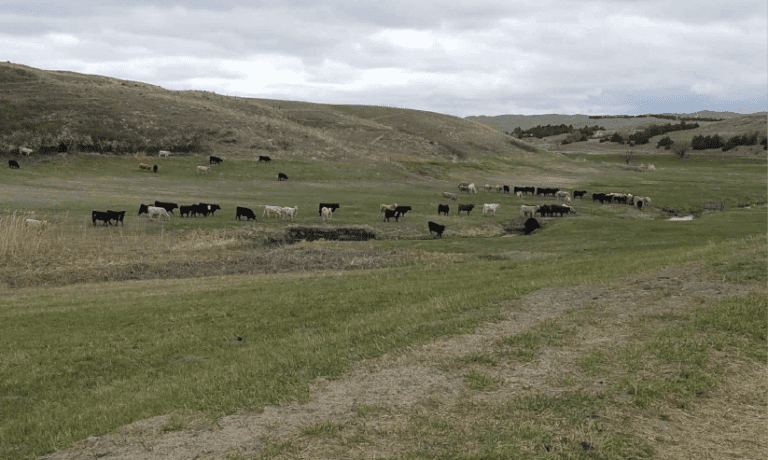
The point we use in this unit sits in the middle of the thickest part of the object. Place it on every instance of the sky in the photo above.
(484, 57)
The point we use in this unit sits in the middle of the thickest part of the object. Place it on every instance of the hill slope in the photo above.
(53, 111)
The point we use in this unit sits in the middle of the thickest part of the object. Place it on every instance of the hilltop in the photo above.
(56, 111)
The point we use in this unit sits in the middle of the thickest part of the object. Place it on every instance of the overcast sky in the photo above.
(480, 57)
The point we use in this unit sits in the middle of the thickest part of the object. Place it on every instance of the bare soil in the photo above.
(405, 386)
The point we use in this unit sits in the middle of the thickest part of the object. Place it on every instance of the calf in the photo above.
(443, 209)
(157, 213)
(579, 194)
(13, 164)
(143, 209)
(466, 207)
(100, 216)
(268, 210)
(164, 154)
(214, 160)
(264, 159)
(490, 208)
(435, 227)
(185, 210)
(203, 169)
(244, 212)
(326, 214)
(167, 206)
(281, 176)
(390, 213)
(401, 210)
(117, 216)
(332, 206)
(528, 211)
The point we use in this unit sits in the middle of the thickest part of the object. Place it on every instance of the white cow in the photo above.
(289, 213)
(561, 195)
(490, 208)
(387, 207)
(36, 224)
(326, 213)
(164, 154)
(203, 169)
(528, 211)
(25, 151)
(156, 213)
(268, 210)
(450, 195)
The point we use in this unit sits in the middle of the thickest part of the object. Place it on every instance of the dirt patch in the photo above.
(372, 411)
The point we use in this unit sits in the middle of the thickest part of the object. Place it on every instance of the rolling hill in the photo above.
(56, 111)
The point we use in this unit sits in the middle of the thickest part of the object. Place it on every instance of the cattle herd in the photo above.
(162, 211)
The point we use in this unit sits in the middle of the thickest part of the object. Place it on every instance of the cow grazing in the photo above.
(100, 216)
(214, 160)
(164, 154)
(281, 177)
(13, 164)
(26, 151)
(332, 206)
(579, 194)
(326, 214)
(117, 216)
(387, 207)
(36, 224)
(203, 169)
(449, 195)
(529, 211)
(401, 210)
(547, 191)
(466, 207)
(269, 210)
(435, 227)
(167, 206)
(210, 208)
(490, 208)
(143, 209)
(390, 213)
(443, 209)
(145, 167)
(506, 188)
(186, 210)
(264, 159)
(244, 212)
(289, 213)
(157, 213)
(519, 195)
(561, 196)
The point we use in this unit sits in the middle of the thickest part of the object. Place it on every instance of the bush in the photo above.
(665, 142)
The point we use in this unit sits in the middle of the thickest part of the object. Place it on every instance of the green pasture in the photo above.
(83, 360)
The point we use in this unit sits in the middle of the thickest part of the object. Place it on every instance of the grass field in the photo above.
(79, 359)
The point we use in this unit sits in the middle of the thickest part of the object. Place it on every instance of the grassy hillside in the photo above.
(53, 111)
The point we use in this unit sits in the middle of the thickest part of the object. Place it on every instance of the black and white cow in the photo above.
(117, 216)
(169, 207)
(332, 206)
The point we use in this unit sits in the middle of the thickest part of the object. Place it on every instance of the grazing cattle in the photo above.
(244, 212)
(13, 164)
(36, 224)
(186, 210)
(561, 195)
(157, 213)
(506, 188)
(332, 206)
(466, 207)
(281, 176)
(387, 207)
(488, 187)
(326, 213)
(117, 216)
(289, 213)
(435, 227)
(164, 154)
(210, 208)
(490, 208)
(145, 167)
(25, 151)
(390, 213)
(100, 216)
(642, 202)
(401, 210)
(472, 188)
(464, 189)
(499, 188)
(264, 159)
(143, 209)
(167, 206)
(553, 209)
(544, 191)
(269, 210)
(214, 160)
(203, 169)
(443, 209)
(579, 194)
(529, 211)
(601, 197)
(449, 195)
(519, 195)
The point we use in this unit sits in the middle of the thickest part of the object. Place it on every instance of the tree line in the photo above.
(701, 142)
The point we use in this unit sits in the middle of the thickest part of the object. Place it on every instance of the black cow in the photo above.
(443, 209)
(214, 160)
(244, 212)
(466, 207)
(117, 216)
(167, 206)
(212, 208)
(99, 215)
(579, 194)
(185, 210)
(531, 225)
(546, 191)
(264, 159)
(506, 189)
(435, 227)
(390, 213)
(281, 176)
(601, 197)
(401, 210)
(143, 209)
(154, 169)
(13, 164)
(332, 206)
